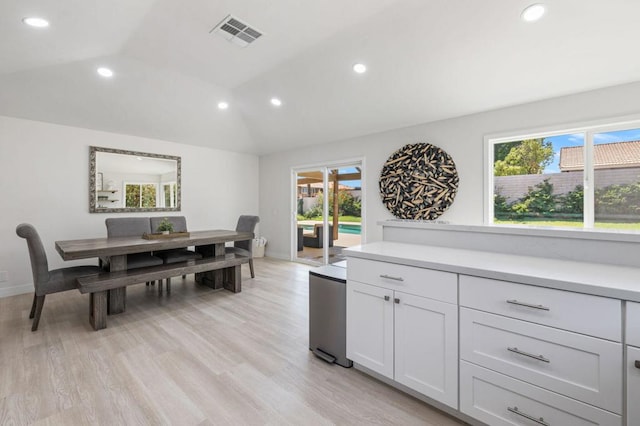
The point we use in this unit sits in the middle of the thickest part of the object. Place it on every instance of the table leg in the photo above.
(233, 280)
(98, 310)
(213, 279)
(118, 296)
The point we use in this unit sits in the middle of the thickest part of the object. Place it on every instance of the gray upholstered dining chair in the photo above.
(133, 227)
(174, 255)
(44, 280)
(245, 248)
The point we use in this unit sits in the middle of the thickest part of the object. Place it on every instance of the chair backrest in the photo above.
(179, 223)
(39, 264)
(317, 231)
(127, 226)
(246, 224)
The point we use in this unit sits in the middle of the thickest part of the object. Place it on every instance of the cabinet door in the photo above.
(633, 386)
(370, 327)
(426, 347)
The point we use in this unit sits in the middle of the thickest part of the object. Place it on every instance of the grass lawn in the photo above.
(353, 219)
(570, 224)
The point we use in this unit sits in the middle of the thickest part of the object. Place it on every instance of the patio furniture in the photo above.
(245, 248)
(175, 255)
(315, 240)
(44, 280)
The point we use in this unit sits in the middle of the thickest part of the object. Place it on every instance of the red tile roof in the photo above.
(605, 156)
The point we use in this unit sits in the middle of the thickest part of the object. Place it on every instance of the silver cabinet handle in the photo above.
(637, 363)
(528, 305)
(396, 300)
(386, 298)
(390, 277)
(540, 421)
(536, 357)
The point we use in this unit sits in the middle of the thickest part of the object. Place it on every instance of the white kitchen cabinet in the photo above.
(578, 366)
(370, 327)
(426, 348)
(499, 400)
(410, 339)
(633, 386)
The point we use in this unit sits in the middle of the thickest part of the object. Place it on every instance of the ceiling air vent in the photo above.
(236, 31)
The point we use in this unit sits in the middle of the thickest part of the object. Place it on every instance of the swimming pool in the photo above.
(349, 228)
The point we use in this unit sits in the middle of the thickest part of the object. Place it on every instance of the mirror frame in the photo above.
(93, 150)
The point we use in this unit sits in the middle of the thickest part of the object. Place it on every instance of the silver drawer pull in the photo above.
(528, 305)
(536, 357)
(387, 298)
(540, 421)
(389, 277)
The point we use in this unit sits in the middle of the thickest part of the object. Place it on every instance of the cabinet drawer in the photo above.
(578, 366)
(436, 285)
(582, 313)
(633, 323)
(500, 400)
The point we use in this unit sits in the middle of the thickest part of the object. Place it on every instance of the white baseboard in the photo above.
(15, 290)
(282, 256)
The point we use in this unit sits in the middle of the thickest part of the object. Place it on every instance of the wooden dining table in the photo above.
(211, 244)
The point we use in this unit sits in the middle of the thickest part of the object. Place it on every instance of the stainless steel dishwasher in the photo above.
(328, 314)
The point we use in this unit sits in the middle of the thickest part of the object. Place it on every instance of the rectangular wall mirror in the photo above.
(129, 181)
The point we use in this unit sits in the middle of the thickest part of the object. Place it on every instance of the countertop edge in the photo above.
(371, 252)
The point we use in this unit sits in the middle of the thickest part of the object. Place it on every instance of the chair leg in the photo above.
(160, 286)
(39, 305)
(33, 306)
(253, 275)
(184, 277)
(168, 285)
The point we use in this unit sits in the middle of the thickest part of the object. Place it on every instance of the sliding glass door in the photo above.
(328, 197)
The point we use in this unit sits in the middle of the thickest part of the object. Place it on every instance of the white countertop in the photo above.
(618, 282)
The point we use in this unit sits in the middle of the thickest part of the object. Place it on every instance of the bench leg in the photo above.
(233, 281)
(168, 285)
(98, 310)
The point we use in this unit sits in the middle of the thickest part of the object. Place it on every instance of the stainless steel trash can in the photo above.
(328, 314)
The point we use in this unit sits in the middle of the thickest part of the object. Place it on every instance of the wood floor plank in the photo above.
(191, 357)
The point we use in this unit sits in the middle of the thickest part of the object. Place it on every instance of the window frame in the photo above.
(588, 129)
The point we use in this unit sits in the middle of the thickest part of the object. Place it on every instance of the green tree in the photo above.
(529, 157)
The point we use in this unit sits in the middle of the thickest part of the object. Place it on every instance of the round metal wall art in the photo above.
(418, 181)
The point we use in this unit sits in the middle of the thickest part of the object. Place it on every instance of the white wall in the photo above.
(44, 181)
(462, 138)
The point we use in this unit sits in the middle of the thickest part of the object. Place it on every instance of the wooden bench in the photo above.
(99, 285)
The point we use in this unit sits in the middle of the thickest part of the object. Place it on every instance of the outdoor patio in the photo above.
(335, 253)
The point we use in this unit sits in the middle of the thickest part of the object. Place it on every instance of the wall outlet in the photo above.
(4, 276)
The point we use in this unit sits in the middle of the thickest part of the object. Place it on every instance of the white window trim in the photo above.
(587, 128)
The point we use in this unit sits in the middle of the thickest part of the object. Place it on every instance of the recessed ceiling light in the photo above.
(223, 105)
(533, 13)
(36, 22)
(360, 68)
(276, 102)
(105, 72)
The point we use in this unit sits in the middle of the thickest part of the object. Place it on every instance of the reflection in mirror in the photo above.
(128, 181)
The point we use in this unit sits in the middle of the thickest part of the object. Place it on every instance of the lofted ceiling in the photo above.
(427, 60)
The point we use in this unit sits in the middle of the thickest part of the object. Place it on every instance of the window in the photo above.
(587, 177)
(169, 193)
(140, 195)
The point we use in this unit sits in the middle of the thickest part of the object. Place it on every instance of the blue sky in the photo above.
(578, 140)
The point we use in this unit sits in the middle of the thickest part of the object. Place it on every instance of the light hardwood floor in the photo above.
(194, 357)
